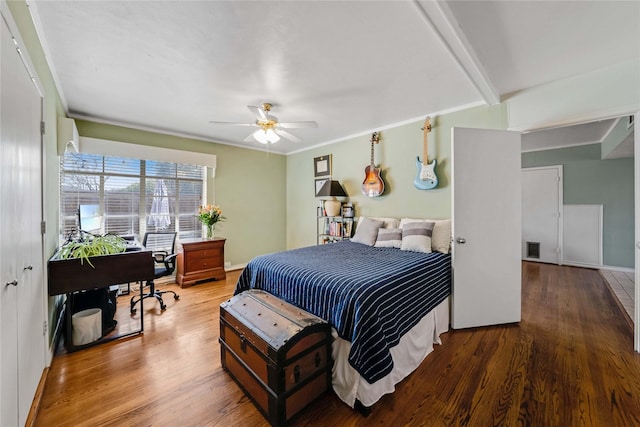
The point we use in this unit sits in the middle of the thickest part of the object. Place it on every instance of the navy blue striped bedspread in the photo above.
(371, 296)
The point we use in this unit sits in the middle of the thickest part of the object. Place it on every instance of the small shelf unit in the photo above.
(331, 229)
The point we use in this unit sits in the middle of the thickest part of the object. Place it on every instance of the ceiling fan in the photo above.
(269, 128)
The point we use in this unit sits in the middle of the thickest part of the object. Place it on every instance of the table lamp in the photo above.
(332, 189)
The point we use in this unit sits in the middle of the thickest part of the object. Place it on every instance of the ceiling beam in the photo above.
(442, 20)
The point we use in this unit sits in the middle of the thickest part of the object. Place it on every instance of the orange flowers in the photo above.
(210, 214)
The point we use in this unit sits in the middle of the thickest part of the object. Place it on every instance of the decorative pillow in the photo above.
(441, 238)
(416, 236)
(386, 222)
(389, 238)
(367, 231)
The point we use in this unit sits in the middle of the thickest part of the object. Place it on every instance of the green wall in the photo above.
(397, 153)
(249, 186)
(590, 180)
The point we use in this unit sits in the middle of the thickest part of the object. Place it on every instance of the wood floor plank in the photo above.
(569, 362)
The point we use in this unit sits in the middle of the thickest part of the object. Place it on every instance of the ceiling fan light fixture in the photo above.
(265, 137)
(269, 130)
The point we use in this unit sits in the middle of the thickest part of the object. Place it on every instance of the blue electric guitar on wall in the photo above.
(426, 178)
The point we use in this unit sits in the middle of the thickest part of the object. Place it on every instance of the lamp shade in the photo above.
(331, 189)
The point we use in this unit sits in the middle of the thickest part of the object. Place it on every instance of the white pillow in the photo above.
(441, 238)
(416, 236)
(387, 222)
(389, 238)
(367, 231)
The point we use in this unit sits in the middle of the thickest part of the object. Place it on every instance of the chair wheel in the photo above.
(176, 297)
(133, 310)
(163, 307)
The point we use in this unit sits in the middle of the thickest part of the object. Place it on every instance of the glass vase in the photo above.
(210, 229)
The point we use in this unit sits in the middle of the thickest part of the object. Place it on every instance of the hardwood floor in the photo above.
(569, 362)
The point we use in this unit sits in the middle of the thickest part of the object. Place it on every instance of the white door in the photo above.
(22, 341)
(541, 214)
(486, 204)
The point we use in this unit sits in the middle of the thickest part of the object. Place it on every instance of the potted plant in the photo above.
(92, 245)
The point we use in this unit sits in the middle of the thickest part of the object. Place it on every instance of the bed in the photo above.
(387, 307)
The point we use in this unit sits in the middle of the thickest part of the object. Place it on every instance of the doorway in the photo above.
(599, 169)
(542, 214)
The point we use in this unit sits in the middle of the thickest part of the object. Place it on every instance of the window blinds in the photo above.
(134, 195)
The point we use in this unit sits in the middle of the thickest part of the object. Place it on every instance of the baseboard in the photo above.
(235, 267)
(581, 264)
(35, 405)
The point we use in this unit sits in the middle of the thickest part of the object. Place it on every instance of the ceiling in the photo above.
(352, 66)
(581, 134)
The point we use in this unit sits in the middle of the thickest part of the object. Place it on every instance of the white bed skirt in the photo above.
(412, 349)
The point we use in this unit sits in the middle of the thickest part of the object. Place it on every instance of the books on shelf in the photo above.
(335, 229)
(348, 226)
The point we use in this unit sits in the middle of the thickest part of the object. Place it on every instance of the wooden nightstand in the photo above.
(200, 259)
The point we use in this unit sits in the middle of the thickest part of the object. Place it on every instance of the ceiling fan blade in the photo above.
(215, 122)
(287, 135)
(291, 125)
(249, 138)
(259, 112)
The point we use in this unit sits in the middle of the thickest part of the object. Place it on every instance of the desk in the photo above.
(66, 276)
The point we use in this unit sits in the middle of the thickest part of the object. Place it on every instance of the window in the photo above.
(134, 195)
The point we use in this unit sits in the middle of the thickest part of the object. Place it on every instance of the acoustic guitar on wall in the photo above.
(372, 186)
(426, 178)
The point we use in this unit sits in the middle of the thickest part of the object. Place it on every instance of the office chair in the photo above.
(162, 246)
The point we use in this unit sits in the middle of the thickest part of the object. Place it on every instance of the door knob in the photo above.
(12, 283)
(461, 240)
(28, 267)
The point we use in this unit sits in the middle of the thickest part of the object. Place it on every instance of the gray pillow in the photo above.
(416, 236)
(367, 232)
(389, 238)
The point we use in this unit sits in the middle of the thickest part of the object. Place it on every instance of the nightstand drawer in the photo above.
(195, 263)
(212, 254)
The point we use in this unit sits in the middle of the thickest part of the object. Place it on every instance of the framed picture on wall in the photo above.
(322, 166)
(319, 183)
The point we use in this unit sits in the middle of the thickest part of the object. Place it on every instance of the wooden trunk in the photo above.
(277, 353)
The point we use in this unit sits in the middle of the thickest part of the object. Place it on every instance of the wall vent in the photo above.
(533, 250)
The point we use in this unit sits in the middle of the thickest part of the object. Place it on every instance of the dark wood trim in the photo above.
(37, 399)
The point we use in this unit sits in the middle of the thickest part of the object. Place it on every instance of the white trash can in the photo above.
(87, 326)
